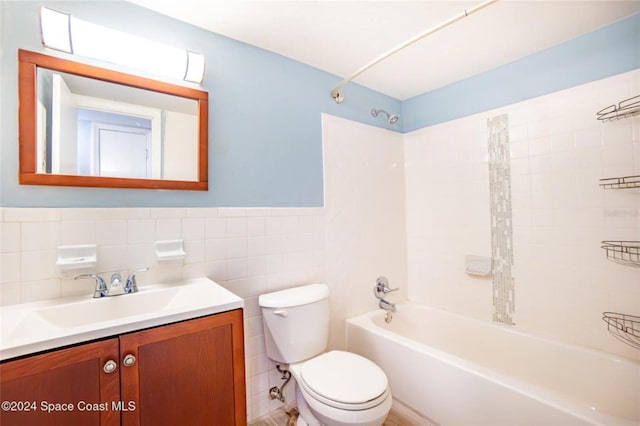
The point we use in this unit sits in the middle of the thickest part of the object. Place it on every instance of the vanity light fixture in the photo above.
(61, 31)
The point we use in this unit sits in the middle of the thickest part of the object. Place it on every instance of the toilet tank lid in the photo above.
(296, 296)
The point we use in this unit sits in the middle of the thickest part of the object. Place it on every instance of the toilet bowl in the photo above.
(333, 388)
(341, 388)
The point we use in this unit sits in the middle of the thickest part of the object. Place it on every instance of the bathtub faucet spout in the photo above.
(387, 306)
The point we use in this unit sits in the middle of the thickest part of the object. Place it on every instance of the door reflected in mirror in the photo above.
(96, 127)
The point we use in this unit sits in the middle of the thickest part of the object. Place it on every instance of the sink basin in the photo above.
(33, 327)
(89, 311)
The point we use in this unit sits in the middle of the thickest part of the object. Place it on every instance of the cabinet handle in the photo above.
(129, 360)
(110, 366)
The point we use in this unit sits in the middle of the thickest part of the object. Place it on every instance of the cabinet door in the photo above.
(65, 387)
(190, 372)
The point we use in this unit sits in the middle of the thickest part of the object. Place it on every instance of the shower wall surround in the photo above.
(558, 152)
(364, 205)
(501, 219)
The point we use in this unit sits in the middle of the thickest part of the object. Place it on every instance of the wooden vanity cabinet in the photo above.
(61, 387)
(191, 372)
(186, 373)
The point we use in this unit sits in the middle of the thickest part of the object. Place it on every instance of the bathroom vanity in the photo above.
(189, 371)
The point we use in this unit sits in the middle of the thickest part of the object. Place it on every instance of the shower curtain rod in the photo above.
(338, 96)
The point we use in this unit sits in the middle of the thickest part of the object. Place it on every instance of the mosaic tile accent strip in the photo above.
(501, 219)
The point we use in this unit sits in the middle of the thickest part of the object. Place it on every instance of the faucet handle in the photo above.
(131, 286)
(101, 286)
(382, 287)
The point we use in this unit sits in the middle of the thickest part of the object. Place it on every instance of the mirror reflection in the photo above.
(88, 127)
(82, 125)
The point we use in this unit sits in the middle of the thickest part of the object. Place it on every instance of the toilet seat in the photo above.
(344, 380)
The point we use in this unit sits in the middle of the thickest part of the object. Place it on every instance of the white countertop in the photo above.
(33, 327)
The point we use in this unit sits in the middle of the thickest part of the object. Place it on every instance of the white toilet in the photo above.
(334, 388)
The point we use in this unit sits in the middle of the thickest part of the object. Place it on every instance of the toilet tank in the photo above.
(296, 322)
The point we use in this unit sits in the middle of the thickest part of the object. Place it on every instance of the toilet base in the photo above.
(310, 416)
(306, 417)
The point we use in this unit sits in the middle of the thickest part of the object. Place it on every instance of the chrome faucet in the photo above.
(387, 306)
(101, 287)
(131, 286)
(117, 286)
(380, 290)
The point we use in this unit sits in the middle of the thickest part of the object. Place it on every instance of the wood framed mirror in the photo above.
(81, 125)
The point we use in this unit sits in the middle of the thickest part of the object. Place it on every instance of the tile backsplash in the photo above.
(249, 251)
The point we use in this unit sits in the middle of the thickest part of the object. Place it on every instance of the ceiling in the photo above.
(342, 36)
(119, 93)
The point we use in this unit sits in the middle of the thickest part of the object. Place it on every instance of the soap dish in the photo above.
(478, 265)
(77, 257)
(170, 250)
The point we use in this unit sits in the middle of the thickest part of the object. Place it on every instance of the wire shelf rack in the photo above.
(625, 108)
(623, 182)
(623, 327)
(623, 252)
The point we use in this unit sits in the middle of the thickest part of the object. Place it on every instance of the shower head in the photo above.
(392, 118)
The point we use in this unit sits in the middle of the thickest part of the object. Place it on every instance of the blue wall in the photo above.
(265, 139)
(608, 51)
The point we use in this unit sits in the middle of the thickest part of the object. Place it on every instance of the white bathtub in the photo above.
(459, 371)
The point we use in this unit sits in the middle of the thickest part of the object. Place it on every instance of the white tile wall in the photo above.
(559, 150)
(364, 201)
(249, 251)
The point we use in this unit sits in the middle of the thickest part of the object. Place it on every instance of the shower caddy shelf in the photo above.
(623, 182)
(623, 252)
(625, 108)
(625, 328)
